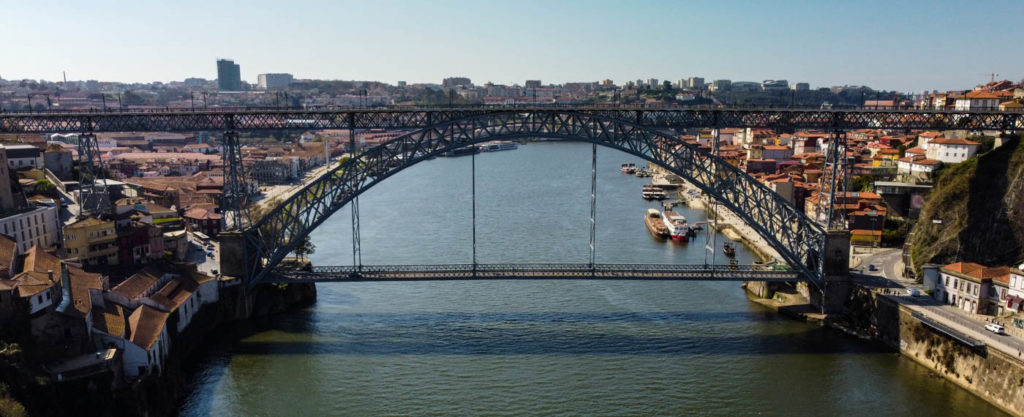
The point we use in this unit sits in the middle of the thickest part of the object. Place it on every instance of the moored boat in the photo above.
(728, 249)
(498, 146)
(466, 150)
(655, 225)
(628, 168)
(651, 192)
(678, 229)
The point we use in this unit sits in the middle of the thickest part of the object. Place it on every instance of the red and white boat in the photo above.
(678, 229)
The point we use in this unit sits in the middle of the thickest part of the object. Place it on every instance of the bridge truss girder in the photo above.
(178, 120)
(798, 239)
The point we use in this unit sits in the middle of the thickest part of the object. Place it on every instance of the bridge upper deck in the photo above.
(247, 119)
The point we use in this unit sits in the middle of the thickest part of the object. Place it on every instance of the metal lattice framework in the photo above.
(423, 117)
(532, 271)
(796, 237)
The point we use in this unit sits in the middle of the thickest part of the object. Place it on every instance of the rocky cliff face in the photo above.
(980, 208)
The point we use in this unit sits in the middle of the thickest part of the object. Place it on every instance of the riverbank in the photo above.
(106, 393)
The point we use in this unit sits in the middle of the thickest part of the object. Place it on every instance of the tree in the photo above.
(304, 248)
(43, 186)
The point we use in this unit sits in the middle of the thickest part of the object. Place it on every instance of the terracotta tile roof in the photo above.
(953, 141)
(30, 283)
(109, 319)
(926, 162)
(136, 285)
(175, 292)
(930, 134)
(81, 299)
(966, 268)
(982, 95)
(40, 261)
(916, 150)
(998, 274)
(202, 214)
(145, 325)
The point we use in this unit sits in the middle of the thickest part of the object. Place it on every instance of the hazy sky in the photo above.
(891, 44)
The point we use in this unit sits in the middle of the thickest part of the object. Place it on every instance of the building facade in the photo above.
(274, 81)
(229, 75)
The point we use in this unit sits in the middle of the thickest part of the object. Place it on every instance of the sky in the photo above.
(907, 46)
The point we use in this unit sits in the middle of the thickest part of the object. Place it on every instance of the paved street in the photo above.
(889, 275)
(197, 252)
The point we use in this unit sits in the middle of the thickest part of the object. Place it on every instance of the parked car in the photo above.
(872, 267)
(995, 328)
(913, 292)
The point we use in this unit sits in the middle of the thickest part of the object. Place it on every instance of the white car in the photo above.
(995, 328)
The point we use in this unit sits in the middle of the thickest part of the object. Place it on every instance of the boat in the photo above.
(651, 192)
(655, 225)
(499, 146)
(628, 168)
(466, 150)
(642, 173)
(729, 249)
(678, 229)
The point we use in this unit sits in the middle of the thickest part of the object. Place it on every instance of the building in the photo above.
(971, 287)
(229, 75)
(91, 241)
(23, 156)
(454, 82)
(801, 87)
(203, 220)
(533, 84)
(1015, 290)
(695, 82)
(274, 81)
(904, 199)
(7, 192)
(916, 168)
(951, 151)
(774, 85)
(977, 100)
(139, 243)
(37, 225)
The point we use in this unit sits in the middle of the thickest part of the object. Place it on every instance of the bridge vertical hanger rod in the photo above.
(473, 197)
(715, 136)
(357, 255)
(593, 203)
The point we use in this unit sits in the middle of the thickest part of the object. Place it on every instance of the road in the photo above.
(198, 253)
(282, 192)
(889, 276)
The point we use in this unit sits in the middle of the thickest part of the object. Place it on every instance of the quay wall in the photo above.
(988, 373)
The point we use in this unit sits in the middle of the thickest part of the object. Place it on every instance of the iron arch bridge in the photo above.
(636, 130)
(798, 239)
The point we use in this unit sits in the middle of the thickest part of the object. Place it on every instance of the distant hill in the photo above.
(980, 204)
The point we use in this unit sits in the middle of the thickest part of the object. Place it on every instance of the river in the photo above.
(544, 347)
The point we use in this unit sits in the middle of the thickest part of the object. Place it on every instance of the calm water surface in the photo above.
(544, 347)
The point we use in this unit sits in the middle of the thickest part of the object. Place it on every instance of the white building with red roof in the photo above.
(951, 150)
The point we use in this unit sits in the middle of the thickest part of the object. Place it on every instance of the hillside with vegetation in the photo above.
(975, 213)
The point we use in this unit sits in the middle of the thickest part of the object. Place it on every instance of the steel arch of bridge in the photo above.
(798, 239)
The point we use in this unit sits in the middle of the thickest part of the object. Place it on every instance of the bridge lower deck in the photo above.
(656, 272)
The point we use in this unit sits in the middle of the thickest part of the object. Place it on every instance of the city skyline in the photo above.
(908, 47)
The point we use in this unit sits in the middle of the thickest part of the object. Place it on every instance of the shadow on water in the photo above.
(446, 333)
